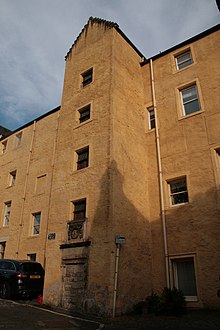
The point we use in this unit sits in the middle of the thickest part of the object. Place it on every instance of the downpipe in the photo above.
(116, 279)
(162, 207)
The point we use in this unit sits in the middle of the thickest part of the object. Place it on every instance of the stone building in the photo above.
(117, 191)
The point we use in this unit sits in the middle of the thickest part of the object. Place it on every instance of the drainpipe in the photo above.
(163, 216)
(50, 189)
(116, 279)
(25, 188)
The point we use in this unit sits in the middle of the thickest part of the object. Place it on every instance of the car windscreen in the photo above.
(31, 268)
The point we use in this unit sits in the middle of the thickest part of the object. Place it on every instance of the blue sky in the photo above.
(36, 35)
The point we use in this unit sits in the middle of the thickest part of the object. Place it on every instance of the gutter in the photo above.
(183, 43)
(25, 189)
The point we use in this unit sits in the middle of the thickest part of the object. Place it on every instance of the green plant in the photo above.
(138, 308)
(170, 302)
(153, 303)
(173, 302)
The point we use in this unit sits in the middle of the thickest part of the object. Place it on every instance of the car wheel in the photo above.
(5, 291)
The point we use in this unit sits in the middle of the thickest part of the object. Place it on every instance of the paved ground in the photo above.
(16, 315)
(29, 315)
(195, 320)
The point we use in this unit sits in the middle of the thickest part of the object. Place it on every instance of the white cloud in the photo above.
(36, 35)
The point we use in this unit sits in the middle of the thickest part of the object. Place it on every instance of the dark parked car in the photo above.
(20, 278)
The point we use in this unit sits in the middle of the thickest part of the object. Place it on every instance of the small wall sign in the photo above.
(120, 240)
(51, 236)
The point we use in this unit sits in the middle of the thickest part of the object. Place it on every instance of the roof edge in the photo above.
(31, 122)
(91, 20)
(108, 24)
(130, 42)
(183, 43)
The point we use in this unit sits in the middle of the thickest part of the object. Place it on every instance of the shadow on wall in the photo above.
(116, 215)
(192, 229)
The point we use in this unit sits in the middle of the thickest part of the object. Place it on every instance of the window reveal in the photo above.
(36, 223)
(87, 77)
(4, 147)
(2, 249)
(190, 100)
(84, 114)
(178, 191)
(79, 212)
(32, 256)
(83, 158)
(184, 277)
(183, 60)
(151, 118)
(12, 178)
(7, 214)
(77, 226)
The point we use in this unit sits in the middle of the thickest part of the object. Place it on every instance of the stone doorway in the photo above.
(75, 274)
(75, 258)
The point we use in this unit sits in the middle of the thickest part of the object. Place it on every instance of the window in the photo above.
(151, 118)
(77, 226)
(2, 249)
(36, 223)
(7, 214)
(7, 265)
(4, 146)
(83, 158)
(184, 277)
(87, 77)
(18, 139)
(32, 256)
(218, 158)
(217, 165)
(79, 212)
(12, 177)
(183, 60)
(84, 113)
(190, 100)
(178, 191)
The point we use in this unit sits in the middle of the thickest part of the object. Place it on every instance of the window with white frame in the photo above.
(84, 113)
(178, 191)
(190, 100)
(12, 178)
(36, 223)
(18, 138)
(7, 214)
(184, 59)
(4, 147)
(184, 277)
(151, 118)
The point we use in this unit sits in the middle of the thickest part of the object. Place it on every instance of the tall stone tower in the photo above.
(100, 140)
